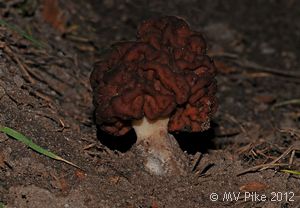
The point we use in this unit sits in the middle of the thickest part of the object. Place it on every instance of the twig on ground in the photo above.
(261, 167)
(205, 169)
(54, 118)
(246, 64)
(23, 67)
(43, 96)
(291, 131)
(255, 66)
(291, 149)
(198, 157)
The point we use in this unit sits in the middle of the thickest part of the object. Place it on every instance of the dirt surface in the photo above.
(45, 94)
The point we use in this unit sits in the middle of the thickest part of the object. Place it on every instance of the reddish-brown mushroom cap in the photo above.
(165, 73)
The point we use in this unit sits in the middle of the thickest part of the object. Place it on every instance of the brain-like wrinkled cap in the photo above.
(164, 73)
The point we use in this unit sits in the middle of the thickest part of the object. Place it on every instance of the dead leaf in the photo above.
(53, 14)
(254, 186)
(266, 99)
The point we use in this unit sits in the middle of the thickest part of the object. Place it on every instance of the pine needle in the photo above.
(25, 35)
(28, 142)
(287, 102)
(291, 172)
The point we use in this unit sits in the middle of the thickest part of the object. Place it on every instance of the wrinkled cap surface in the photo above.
(164, 73)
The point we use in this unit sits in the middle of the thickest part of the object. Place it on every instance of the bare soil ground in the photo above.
(45, 94)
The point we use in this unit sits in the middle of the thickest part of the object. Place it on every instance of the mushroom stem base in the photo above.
(161, 151)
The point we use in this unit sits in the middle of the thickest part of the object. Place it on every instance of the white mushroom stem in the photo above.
(162, 153)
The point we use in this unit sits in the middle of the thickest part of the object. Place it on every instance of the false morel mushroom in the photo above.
(162, 82)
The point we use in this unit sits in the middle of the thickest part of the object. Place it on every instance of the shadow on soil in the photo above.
(197, 141)
(189, 142)
(119, 143)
